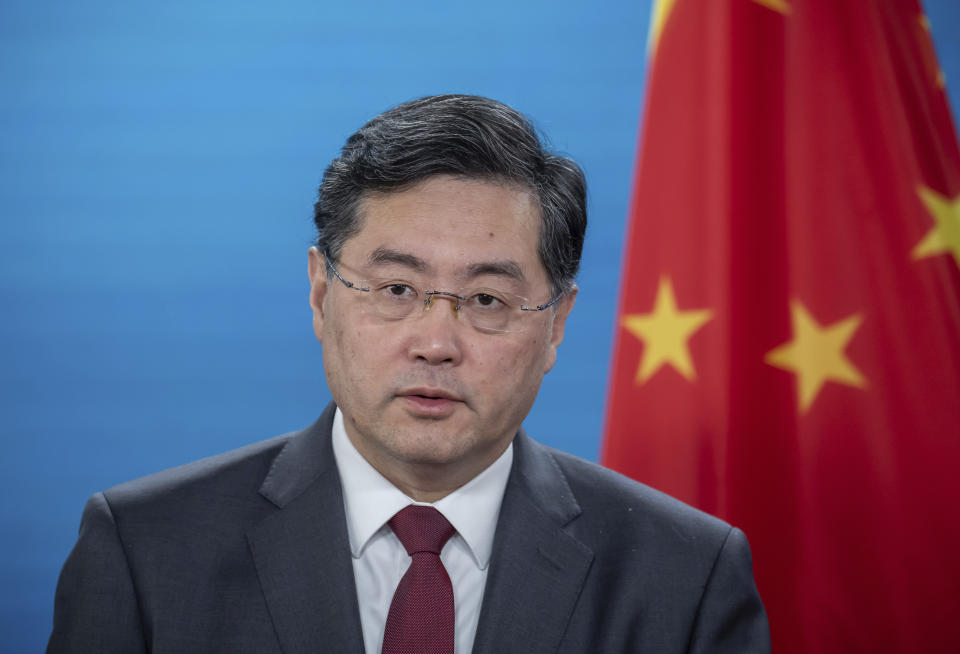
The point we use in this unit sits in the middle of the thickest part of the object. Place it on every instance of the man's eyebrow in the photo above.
(506, 268)
(382, 256)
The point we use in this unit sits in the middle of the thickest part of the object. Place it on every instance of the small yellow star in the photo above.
(945, 235)
(776, 5)
(940, 77)
(664, 332)
(816, 354)
(661, 11)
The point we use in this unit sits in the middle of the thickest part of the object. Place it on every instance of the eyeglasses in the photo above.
(485, 309)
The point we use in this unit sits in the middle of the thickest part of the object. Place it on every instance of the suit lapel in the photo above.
(537, 569)
(301, 551)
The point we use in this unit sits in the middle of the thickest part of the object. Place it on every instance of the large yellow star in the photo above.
(816, 354)
(664, 332)
(945, 235)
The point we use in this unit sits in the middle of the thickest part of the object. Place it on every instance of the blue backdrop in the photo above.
(158, 167)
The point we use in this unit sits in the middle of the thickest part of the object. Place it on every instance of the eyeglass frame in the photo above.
(429, 295)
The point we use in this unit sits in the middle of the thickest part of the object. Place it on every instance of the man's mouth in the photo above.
(430, 394)
(429, 402)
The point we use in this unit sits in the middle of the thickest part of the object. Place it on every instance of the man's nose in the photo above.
(438, 331)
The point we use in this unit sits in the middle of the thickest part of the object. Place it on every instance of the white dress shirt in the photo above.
(379, 559)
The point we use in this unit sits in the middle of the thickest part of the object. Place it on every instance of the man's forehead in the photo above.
(474, 225)
(472, 195)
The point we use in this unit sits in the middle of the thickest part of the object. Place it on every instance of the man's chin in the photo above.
(429, 455)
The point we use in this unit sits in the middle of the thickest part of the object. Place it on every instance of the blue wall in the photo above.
(157, 170)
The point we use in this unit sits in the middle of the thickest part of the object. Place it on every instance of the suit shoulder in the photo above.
(661, 571)
(239, 472)
(634, 509)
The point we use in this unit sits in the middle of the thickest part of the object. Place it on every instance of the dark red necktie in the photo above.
(421, 613)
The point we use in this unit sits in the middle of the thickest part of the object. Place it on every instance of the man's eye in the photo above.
(487, 301)
(399, 290)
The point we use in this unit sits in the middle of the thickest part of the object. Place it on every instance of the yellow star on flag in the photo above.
(777, 5)
(816, 354)
(941, 78)
(661, 10)
(945, 235)
(664, 332)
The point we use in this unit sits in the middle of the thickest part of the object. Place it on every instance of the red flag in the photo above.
(788, 339)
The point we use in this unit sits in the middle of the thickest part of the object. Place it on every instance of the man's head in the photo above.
(444, 231)
(461, 136)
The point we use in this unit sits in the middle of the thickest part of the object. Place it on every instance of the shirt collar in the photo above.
(370, 500)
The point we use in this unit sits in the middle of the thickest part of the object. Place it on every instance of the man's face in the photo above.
(430, 398)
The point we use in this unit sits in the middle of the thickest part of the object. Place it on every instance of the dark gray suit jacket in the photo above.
(248, 552)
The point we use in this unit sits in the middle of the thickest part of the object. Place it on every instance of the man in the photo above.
(415, 515)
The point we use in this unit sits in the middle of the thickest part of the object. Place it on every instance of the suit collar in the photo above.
(537, 474)
(306, 458)
(538, 569)
(301, 552)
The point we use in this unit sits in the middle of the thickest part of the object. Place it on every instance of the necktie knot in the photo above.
(421, 529)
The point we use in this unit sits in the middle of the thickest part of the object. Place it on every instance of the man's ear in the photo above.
(317, 270)
(564, 307)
